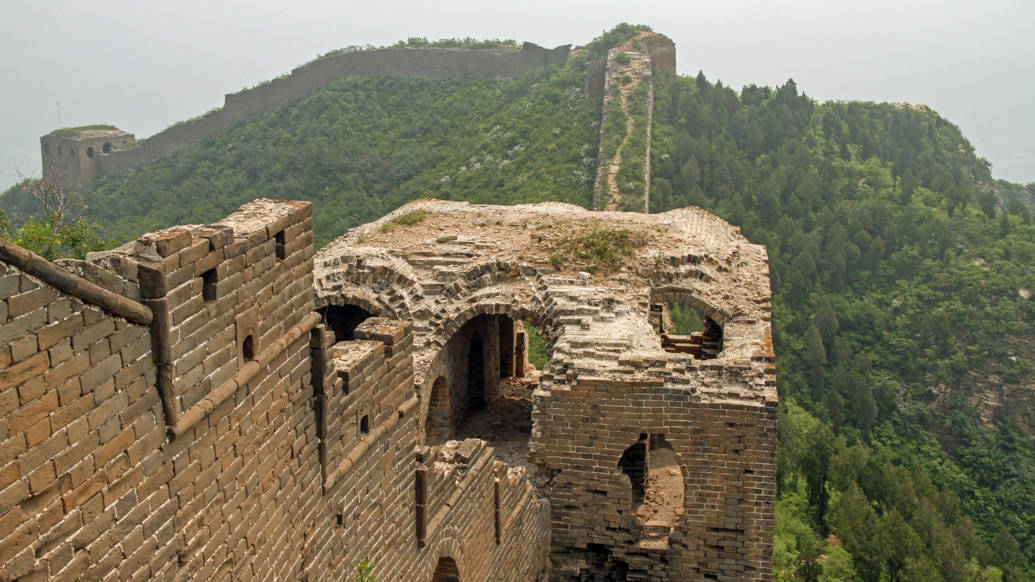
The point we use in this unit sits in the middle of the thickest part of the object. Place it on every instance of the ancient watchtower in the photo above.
(655, 446)
(70, 155)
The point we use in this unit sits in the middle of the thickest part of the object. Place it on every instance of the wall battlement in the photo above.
(223, 432)
(76, 170)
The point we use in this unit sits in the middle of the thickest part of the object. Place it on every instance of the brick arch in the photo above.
(447, 547)
(543, 322)
(438, 337)
(383, 281)
(363, 299)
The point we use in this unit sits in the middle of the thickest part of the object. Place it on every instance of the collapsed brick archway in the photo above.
(482, 387)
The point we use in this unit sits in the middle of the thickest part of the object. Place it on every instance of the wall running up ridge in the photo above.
(628, 89)
(428, 62)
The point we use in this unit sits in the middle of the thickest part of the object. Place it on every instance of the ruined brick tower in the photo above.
(216, 402)
(655, 450)
(70, 156)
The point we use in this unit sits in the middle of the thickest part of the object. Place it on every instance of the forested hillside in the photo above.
(902, 275)
(363, 146)
(901, 298)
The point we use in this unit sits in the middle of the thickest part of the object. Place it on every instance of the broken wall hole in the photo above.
(343, 320)
(657, 486)
(686, 329)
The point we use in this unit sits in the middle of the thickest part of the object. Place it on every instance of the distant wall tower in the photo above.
(70, 155)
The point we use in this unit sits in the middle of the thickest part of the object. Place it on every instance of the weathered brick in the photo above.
(33, 300)
(33, 411)
(22, 371)
(52, 334)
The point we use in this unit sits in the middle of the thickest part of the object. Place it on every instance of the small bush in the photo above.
(406, 219)
(603, 248)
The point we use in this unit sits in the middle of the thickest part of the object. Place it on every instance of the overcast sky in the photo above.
(144, 65)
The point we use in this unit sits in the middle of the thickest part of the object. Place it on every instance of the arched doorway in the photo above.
(446, 571)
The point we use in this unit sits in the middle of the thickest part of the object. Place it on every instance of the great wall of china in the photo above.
(223, 402)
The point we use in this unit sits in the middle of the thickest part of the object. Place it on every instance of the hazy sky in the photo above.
(144, 65)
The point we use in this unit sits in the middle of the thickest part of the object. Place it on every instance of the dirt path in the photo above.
(636, 69)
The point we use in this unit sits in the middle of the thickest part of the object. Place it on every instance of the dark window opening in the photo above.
(344, 319)
(446, 571)
(685, 330)
(248, 348)
(59, 150)
(364, 424)
(89, 152)
(281, 249)
(209, 284)
(106, 148)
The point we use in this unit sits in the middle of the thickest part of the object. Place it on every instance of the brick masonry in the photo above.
(610, 382)
(232, 438)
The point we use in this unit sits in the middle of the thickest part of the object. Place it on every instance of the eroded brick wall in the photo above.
(727, 453)
(79, 429)
(172, 452)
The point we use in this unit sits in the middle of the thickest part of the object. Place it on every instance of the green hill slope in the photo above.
(362, 146)
(901, 274)
(899, 303)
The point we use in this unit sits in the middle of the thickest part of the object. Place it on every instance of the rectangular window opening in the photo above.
(281, 245)
(208, 285)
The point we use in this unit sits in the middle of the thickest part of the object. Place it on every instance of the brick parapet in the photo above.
(94, 487)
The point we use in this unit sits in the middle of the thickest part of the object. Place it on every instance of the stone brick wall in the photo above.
(178, 450)
(707, 425)
(727, 453)
(407, 62)
(78, 434)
